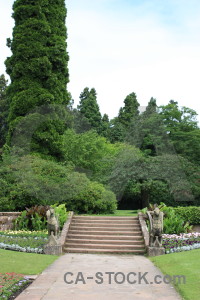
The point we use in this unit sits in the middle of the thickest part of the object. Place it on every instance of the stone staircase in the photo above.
(88, 234)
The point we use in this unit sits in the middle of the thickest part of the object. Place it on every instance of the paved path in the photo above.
(50, 284)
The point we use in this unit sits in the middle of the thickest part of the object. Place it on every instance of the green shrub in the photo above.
(173, 223)
(6, 204)
(60, 211)
(85, 196)
(189, 214)
(35, 218)
(31, 181)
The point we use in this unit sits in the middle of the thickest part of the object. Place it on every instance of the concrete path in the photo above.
(50, 285)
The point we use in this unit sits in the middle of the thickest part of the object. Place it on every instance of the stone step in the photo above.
(101, 246)
(104, 219)
(104, 222)
(104, 237)
(116, 251)
(105, 232)
(105, 228)
(101, 234)
(105, 242)
(95, 218)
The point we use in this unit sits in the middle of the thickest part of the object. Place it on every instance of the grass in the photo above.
(24, 263)
(117, 213)
(183, 263)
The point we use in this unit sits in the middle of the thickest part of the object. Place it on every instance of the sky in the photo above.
(150, 47)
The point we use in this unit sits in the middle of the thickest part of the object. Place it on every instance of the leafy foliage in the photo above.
(60, 211)
(31, 181)
(173, 223)
(35, 218)
(190, 214)
(89, 152)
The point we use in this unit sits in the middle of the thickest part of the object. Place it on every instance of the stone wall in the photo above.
(144, 229)
(6, 220)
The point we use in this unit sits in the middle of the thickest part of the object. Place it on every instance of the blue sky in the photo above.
(149, 47)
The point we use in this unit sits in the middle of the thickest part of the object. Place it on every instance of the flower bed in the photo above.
(11, 283)
(183, 242)
(23, 241)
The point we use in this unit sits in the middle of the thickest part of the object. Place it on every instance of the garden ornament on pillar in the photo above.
(52, 223)
(156, 227)
(155, 234)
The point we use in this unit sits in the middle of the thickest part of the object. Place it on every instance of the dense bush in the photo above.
(189, 214)
(35, 218)
(30, 181)
(173, 223)
(61, 213)
(90, 152)
(85, 196)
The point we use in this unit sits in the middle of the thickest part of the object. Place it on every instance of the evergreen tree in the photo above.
(151, 107)
(38, 67)
(3, 109)
(89, 109)
(129, 111)
(148, 132)
(105, 126)
(117, 131)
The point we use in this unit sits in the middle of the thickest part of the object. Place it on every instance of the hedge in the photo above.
(190, 214)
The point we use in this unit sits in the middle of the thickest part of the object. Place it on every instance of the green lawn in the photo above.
(24, 263)
(183, 263)
(118, 213)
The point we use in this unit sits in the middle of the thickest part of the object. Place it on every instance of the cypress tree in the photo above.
(38, 67)
(88, 107)
(120, 125)
(129, 111)
(151, 107)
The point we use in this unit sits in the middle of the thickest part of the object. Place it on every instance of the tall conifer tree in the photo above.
(89, 108)
(129, 111)
(38, 67)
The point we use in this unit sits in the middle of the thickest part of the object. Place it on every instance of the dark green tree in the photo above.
(3, 109)
(182, 128)
(89, 109)
(121, 124)
(151, 107)
(117, 131)
(129, 111)
(176, 118)
(148, 132)
(38, 68)
(105, 126)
